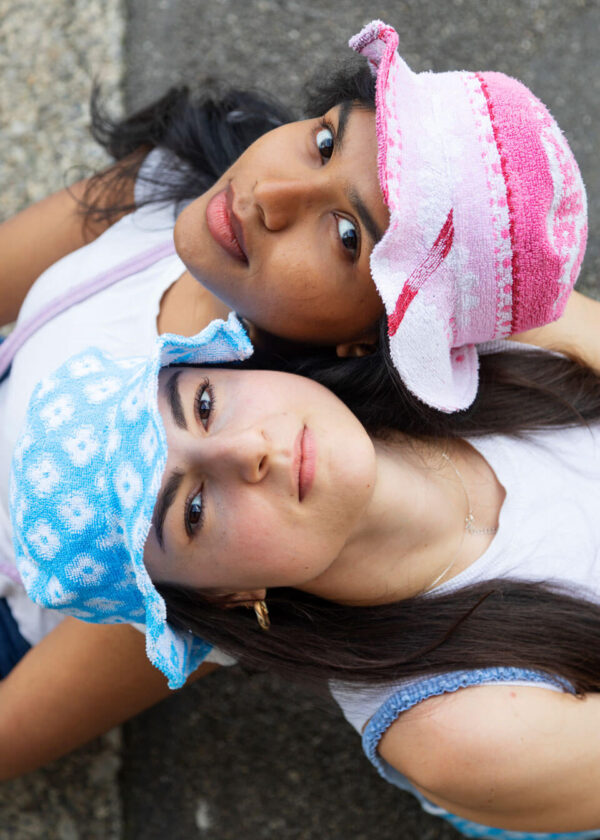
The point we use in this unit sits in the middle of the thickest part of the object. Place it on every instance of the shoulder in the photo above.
(460, 727)
(499, 752)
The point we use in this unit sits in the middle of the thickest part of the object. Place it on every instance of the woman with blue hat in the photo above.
(402, 570)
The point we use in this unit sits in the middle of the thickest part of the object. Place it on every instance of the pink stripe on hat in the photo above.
(487, 216)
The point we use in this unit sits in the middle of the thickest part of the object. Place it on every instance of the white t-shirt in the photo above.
(120, 320)
(549, 528)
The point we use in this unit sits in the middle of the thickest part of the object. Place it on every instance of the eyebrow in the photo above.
(346, 109)
(165, 499)
(360, 208)
(174, 398)
(362, 211)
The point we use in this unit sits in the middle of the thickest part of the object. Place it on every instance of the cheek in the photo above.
(188, 231)
(285, 299)
(267, 547)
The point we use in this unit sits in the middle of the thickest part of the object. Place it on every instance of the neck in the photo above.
(187, 307)
(413, 533)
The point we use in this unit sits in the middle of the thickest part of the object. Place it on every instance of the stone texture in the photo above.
(75, 798)
(249, 756)
(50, 53)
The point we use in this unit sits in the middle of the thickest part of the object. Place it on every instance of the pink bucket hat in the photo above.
(488, 217)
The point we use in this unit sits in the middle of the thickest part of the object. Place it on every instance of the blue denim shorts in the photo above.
(13, 646)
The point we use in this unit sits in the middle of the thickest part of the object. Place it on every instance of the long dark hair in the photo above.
(491, 624)
(520, 390)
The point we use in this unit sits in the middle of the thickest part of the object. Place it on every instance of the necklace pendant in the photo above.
(475, 532)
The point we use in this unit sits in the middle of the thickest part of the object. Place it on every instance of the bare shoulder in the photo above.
(461, 726)
(518, 755)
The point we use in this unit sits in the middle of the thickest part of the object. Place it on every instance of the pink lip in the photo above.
(224, 226)
(305, 461)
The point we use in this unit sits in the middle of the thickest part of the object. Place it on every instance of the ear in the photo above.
(243, 599)
(356, 349)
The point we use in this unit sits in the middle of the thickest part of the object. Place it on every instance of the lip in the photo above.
(224, 226)
(305, 461)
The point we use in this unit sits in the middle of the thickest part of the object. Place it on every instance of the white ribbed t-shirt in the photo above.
(549, 528)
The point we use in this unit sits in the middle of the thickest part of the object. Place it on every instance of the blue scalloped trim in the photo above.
(471, 829)
(411, 695)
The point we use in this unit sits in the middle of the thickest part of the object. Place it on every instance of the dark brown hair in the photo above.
(491, 624)
(521, 390)
(496, 623)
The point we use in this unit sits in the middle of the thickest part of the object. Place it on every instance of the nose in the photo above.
(280, 201)
(243, 454)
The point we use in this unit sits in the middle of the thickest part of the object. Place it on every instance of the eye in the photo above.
(194, 514)
(325, 141)
(348, 235)
(204, 403)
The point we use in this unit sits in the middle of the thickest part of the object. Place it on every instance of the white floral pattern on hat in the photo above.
(84, 479)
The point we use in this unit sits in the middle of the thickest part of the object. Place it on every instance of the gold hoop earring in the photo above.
(262, 614)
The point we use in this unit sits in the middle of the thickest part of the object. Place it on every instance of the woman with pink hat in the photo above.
(292, 235)
(444, 209)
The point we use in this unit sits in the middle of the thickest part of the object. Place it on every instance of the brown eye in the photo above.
(194, 514)
(195, 511)
(348, 235)
(204, 404)
(325, 142)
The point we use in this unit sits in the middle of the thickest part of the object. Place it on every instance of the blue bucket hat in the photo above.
(85, 475)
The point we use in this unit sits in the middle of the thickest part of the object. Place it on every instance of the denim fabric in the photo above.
(12, 645)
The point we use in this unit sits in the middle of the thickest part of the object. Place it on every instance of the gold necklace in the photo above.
(469, 526)
(469, 518)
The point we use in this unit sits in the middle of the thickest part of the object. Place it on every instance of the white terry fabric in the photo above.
(549, 529)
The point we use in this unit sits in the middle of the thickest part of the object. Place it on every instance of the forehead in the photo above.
(239, 394)
(274, 383)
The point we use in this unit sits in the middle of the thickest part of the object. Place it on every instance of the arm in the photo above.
(40, 235)
(576, 333)
(519, 758)
(80, 681)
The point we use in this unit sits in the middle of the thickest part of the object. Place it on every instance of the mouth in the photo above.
(305, 461)
(224, 226)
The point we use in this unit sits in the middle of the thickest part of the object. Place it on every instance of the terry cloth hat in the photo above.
(85, 475)
(488, 216)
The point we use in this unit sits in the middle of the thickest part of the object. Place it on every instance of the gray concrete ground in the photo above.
(236, 755)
